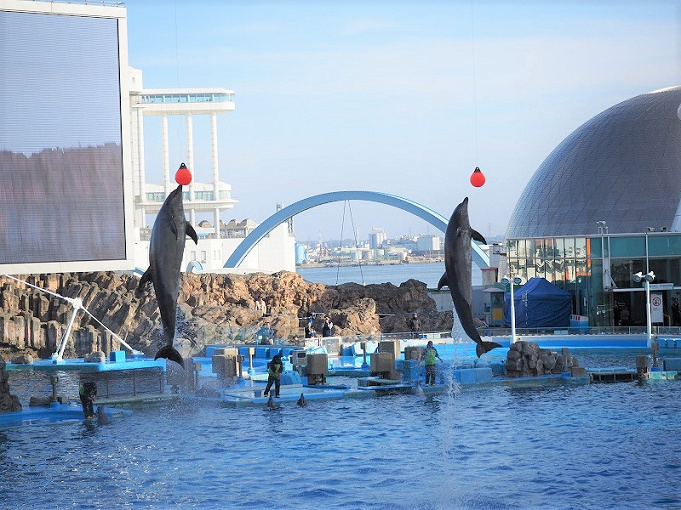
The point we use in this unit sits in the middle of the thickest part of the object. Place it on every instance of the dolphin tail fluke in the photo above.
(169, 352)
(484, 347)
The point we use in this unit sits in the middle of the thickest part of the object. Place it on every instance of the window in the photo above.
(628, 246)
(664, 245)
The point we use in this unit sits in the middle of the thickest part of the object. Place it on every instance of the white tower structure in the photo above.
(211, 197)
(216, 244)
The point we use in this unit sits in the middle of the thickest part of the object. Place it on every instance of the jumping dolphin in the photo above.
(165, 258)
(457, 275)
(270, 403)
(301, 401)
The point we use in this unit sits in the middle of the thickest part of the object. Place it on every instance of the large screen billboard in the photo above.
(64, 196)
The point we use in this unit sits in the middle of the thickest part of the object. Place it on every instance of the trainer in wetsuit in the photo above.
(88, 393)
(274, 370)
(430, 355)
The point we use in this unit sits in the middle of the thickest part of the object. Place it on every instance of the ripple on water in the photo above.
(494, 447)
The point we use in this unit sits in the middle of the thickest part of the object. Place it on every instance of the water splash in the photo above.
(459, 337)
(449, 414)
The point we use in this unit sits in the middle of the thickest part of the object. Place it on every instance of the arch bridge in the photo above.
(480, 258)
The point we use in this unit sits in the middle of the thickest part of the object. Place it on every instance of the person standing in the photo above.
(415, 325)
(676, 312)
(309, 329)
(274, 370)
(88, 393)
(429, 356)
(266, 334)
(327, 328)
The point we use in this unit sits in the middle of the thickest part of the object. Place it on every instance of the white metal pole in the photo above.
(512, 316)
(190, 154)
(141, 174)
(77, 305)
(165, 153)
(216, 175)
(648, 317)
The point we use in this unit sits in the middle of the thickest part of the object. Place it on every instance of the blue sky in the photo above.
(401, 97)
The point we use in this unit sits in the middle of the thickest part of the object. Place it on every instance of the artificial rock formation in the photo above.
(528, 359)
(8, 402)
(212, 308)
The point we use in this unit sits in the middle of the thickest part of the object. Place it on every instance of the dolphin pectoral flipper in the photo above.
(444, 282)
(484, 347)
(146, 278)
(169, 352)
(191, 232)
(477, 236)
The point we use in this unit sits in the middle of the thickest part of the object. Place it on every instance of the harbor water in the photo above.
(428, 273)
(483, 447)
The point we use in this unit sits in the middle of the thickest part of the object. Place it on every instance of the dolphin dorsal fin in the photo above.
(444, 282)
(477, 236)
(191, 232)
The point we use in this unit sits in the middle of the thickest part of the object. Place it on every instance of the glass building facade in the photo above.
(605, 204)
(598, 272)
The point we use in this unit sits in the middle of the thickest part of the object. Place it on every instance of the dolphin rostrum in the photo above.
(165, 258)
(457, 275)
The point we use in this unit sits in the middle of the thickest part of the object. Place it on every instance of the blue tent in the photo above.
(539, 304)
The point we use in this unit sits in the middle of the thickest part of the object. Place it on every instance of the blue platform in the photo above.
(117, 361)
(55, 413)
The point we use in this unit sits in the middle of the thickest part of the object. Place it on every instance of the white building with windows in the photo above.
(428, 243)
(275, 252)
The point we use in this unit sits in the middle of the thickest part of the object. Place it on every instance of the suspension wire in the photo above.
(354, 232)
(177, 52)
(475, 98)
(341, 241)
(177, 130)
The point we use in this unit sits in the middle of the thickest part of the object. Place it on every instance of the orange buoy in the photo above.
(183, 176)
(477, 178)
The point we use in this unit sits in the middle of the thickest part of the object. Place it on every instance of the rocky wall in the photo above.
(212, 308)
(8, 402)
(526, 359)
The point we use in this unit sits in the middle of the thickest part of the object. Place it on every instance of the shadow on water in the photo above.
(89, 429)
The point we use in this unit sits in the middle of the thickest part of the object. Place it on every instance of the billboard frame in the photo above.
(117, 11)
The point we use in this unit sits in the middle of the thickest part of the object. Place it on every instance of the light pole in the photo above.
(646, 278)
(507, 280)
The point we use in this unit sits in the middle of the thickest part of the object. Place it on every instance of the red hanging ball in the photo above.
(183, 176)
(477, 178)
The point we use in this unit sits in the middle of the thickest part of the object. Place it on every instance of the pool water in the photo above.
(487, 447)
